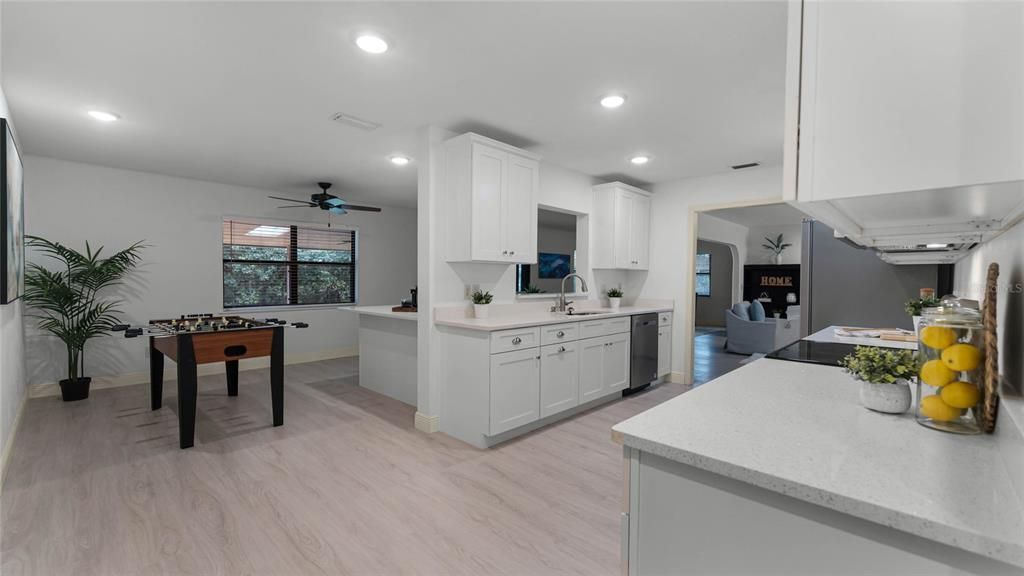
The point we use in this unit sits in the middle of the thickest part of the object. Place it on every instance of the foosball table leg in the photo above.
(231, 366)
(187, 391)
(156, 376)
(277, 375)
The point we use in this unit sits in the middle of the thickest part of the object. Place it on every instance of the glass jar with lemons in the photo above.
(952, 361)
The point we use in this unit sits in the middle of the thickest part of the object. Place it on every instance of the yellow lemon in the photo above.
(933, 407)
(938, 337)
(961, 357)
(935, 373)
(960, 394)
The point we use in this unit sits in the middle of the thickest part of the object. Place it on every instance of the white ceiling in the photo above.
(765, 215)
(241, 92)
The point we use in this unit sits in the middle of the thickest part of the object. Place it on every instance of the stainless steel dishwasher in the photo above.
(643, 353)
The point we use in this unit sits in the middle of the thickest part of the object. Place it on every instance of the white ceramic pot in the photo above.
(614, 303)
(887, 398)
(480, 310)
(778, 259)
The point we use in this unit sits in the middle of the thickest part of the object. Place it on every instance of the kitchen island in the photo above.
(777, 468)
(387, 351)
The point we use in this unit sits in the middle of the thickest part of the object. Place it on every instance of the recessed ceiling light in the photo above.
(640, 160)
(372, 43)
(103, 116)
(399, 160)
(613, 100)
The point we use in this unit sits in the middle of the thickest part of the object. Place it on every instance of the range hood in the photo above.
(926, 226)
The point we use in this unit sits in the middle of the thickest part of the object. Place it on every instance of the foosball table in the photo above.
(203, 339)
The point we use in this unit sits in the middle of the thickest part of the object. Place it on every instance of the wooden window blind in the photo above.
(275, 264)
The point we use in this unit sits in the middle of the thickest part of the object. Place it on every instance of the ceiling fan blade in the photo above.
(361, 208)
(307, 202)
(298, 206)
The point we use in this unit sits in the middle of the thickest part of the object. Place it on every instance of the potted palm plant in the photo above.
(777, 246)
(614, 298)
(68, 301)
(481, 300)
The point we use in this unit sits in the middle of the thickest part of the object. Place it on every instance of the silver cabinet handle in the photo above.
(560, 333)
(517, 341)
(561, 349)
(504, 252)
(512, 252)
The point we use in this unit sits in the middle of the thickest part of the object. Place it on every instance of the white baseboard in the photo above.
(132, 378)
(427, 423)
(679, 378)
(9, 444)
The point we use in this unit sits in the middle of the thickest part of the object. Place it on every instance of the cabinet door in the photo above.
(515, 389)
(559, 378)
(623, 229)
(520, 201)
(616, 363)
(488, 183)
(664, 351)
(639, 233)
(591, 374)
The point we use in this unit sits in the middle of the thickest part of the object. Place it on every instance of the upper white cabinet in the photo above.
(491, 208)
(621, 227)
(905, 96)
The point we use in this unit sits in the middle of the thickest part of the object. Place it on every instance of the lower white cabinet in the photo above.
(559, 378)
(604, 365)
(515, 389)
(664, 350)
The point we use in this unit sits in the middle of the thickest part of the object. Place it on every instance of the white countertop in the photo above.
(799, 429)
(382, 311)
(828, 335)
(541, 318)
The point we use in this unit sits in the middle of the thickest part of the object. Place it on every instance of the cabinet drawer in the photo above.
(518, 339)
(664, 319)
(604, 327)
(559, 333)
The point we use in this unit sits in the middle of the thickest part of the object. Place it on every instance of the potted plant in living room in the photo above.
(614, 298)
(883, 375)
(70, 303)
(481, 300)
(777, 246)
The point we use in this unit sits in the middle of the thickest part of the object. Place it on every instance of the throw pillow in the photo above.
(741, 310)
(756, 311)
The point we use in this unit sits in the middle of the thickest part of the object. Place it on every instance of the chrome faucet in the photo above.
(561, 303)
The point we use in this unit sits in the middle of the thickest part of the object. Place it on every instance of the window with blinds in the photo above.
(267, 264)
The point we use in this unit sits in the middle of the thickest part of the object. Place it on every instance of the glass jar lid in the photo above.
(953, 311)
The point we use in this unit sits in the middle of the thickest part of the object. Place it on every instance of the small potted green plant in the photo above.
(614, 298)
(481, 300)
(777, 246)
(884, 375)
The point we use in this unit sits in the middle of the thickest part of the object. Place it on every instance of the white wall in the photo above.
(671, 236)
(1007, 250)
(791, 234)
(12, 353)
(732, 234)
(181, 220)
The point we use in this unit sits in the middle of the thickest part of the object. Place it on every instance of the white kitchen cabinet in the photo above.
(621, 224)
(559, 378)
(491, 201)
(664, 350)
(515, 389)
(604, 365)
(903, 96)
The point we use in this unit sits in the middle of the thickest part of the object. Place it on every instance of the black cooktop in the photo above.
(828, 353)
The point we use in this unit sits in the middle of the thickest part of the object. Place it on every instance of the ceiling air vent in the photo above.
(356, 122)
(747, 165)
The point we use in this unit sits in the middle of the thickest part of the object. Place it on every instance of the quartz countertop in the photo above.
(799, 429)
(382, 311)
(542, 318)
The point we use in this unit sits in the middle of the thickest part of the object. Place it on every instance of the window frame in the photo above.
(697, 274)
(292, 263)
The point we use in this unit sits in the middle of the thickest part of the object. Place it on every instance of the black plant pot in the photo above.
(75, 390)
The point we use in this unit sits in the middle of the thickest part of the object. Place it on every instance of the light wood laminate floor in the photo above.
(346, 486)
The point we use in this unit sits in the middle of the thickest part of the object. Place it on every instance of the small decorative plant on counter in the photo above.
(69, 301)
(915, 306)
(614, 298)
(884, 374)
(777, 246)
(481, 300)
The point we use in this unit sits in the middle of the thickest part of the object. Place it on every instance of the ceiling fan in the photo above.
(325, 201)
